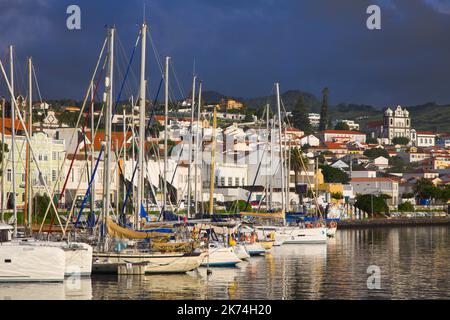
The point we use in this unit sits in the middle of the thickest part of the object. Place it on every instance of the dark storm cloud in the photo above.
(242, 47)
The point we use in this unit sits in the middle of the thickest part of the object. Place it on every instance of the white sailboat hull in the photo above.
(295, 235)
(221, 257)
(331, 232)
(78, 255)
(157, 263)
(241, 252)
(254, 249)
(25, 263)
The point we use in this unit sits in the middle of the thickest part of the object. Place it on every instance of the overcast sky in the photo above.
(242, 47)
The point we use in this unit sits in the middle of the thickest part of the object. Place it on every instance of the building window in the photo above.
(243, 181)
(230, 181)
(236, 181)
(222, 181)
(53, 175)
(9, 175)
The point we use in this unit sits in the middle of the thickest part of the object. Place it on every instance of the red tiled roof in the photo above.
(426, 132)
(8, 124)
(344, 132)
(378, 179)
(100, 137)
(334, 145)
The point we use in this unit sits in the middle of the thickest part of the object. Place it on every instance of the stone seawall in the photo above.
(394, 222)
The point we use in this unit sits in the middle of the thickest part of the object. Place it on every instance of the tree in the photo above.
(334, 175)
(155, 128)
(300, 116)
(324, 111)
(371, 140)
(1, 155)
(337, 195)
(376, 152)
(400, 140)
(341, 126)
(367, 202)
(425, 189)
(406, 207)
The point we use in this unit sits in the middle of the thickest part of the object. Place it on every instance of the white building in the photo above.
(377, 186)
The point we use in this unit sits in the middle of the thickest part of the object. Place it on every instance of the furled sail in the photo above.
(116, 231)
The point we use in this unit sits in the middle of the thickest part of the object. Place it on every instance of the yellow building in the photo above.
(231, 104)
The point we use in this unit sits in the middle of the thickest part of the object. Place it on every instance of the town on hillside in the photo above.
(383, 169)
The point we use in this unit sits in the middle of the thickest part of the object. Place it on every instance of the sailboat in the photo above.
(21, 262)
(176, 257)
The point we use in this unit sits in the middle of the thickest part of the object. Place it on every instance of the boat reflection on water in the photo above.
(71, 289)
(156, 287)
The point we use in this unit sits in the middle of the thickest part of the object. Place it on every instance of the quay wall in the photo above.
(393, 222)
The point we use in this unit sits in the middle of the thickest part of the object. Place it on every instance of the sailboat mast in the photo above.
(280, 131)
(109, 101)
(28, 187)
(92, 150)
(196, 148)
(140, 186)
(13, 136)
(268, 146)
(213, 160)
(124, 145)
(189, 188)
(166, 123)
(2, 177)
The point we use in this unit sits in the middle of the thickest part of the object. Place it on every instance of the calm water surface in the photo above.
(414, 264)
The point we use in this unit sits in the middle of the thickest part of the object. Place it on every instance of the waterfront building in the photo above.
(342, 136)
(377, 186)
(49, 154)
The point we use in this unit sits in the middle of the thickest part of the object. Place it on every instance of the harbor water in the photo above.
(413, 263)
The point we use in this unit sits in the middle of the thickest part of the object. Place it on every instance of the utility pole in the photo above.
(140, 186)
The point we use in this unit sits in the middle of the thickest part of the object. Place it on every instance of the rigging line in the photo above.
(159, 63)
(126, 74)
(88, 191)
(36, 82)
(83, 132)
(33, 154)
(78, 121)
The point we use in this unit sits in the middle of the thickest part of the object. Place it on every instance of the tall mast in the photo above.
(92, 149)
(140, 186)
(189, 188)
(133, 156)
(166, 123)
(280, 131)
(109, 101)
(213, 160)
(13, 136)
(268, 145)
(197, 137)
(28, 186)
(2, 177)
(124, 146)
